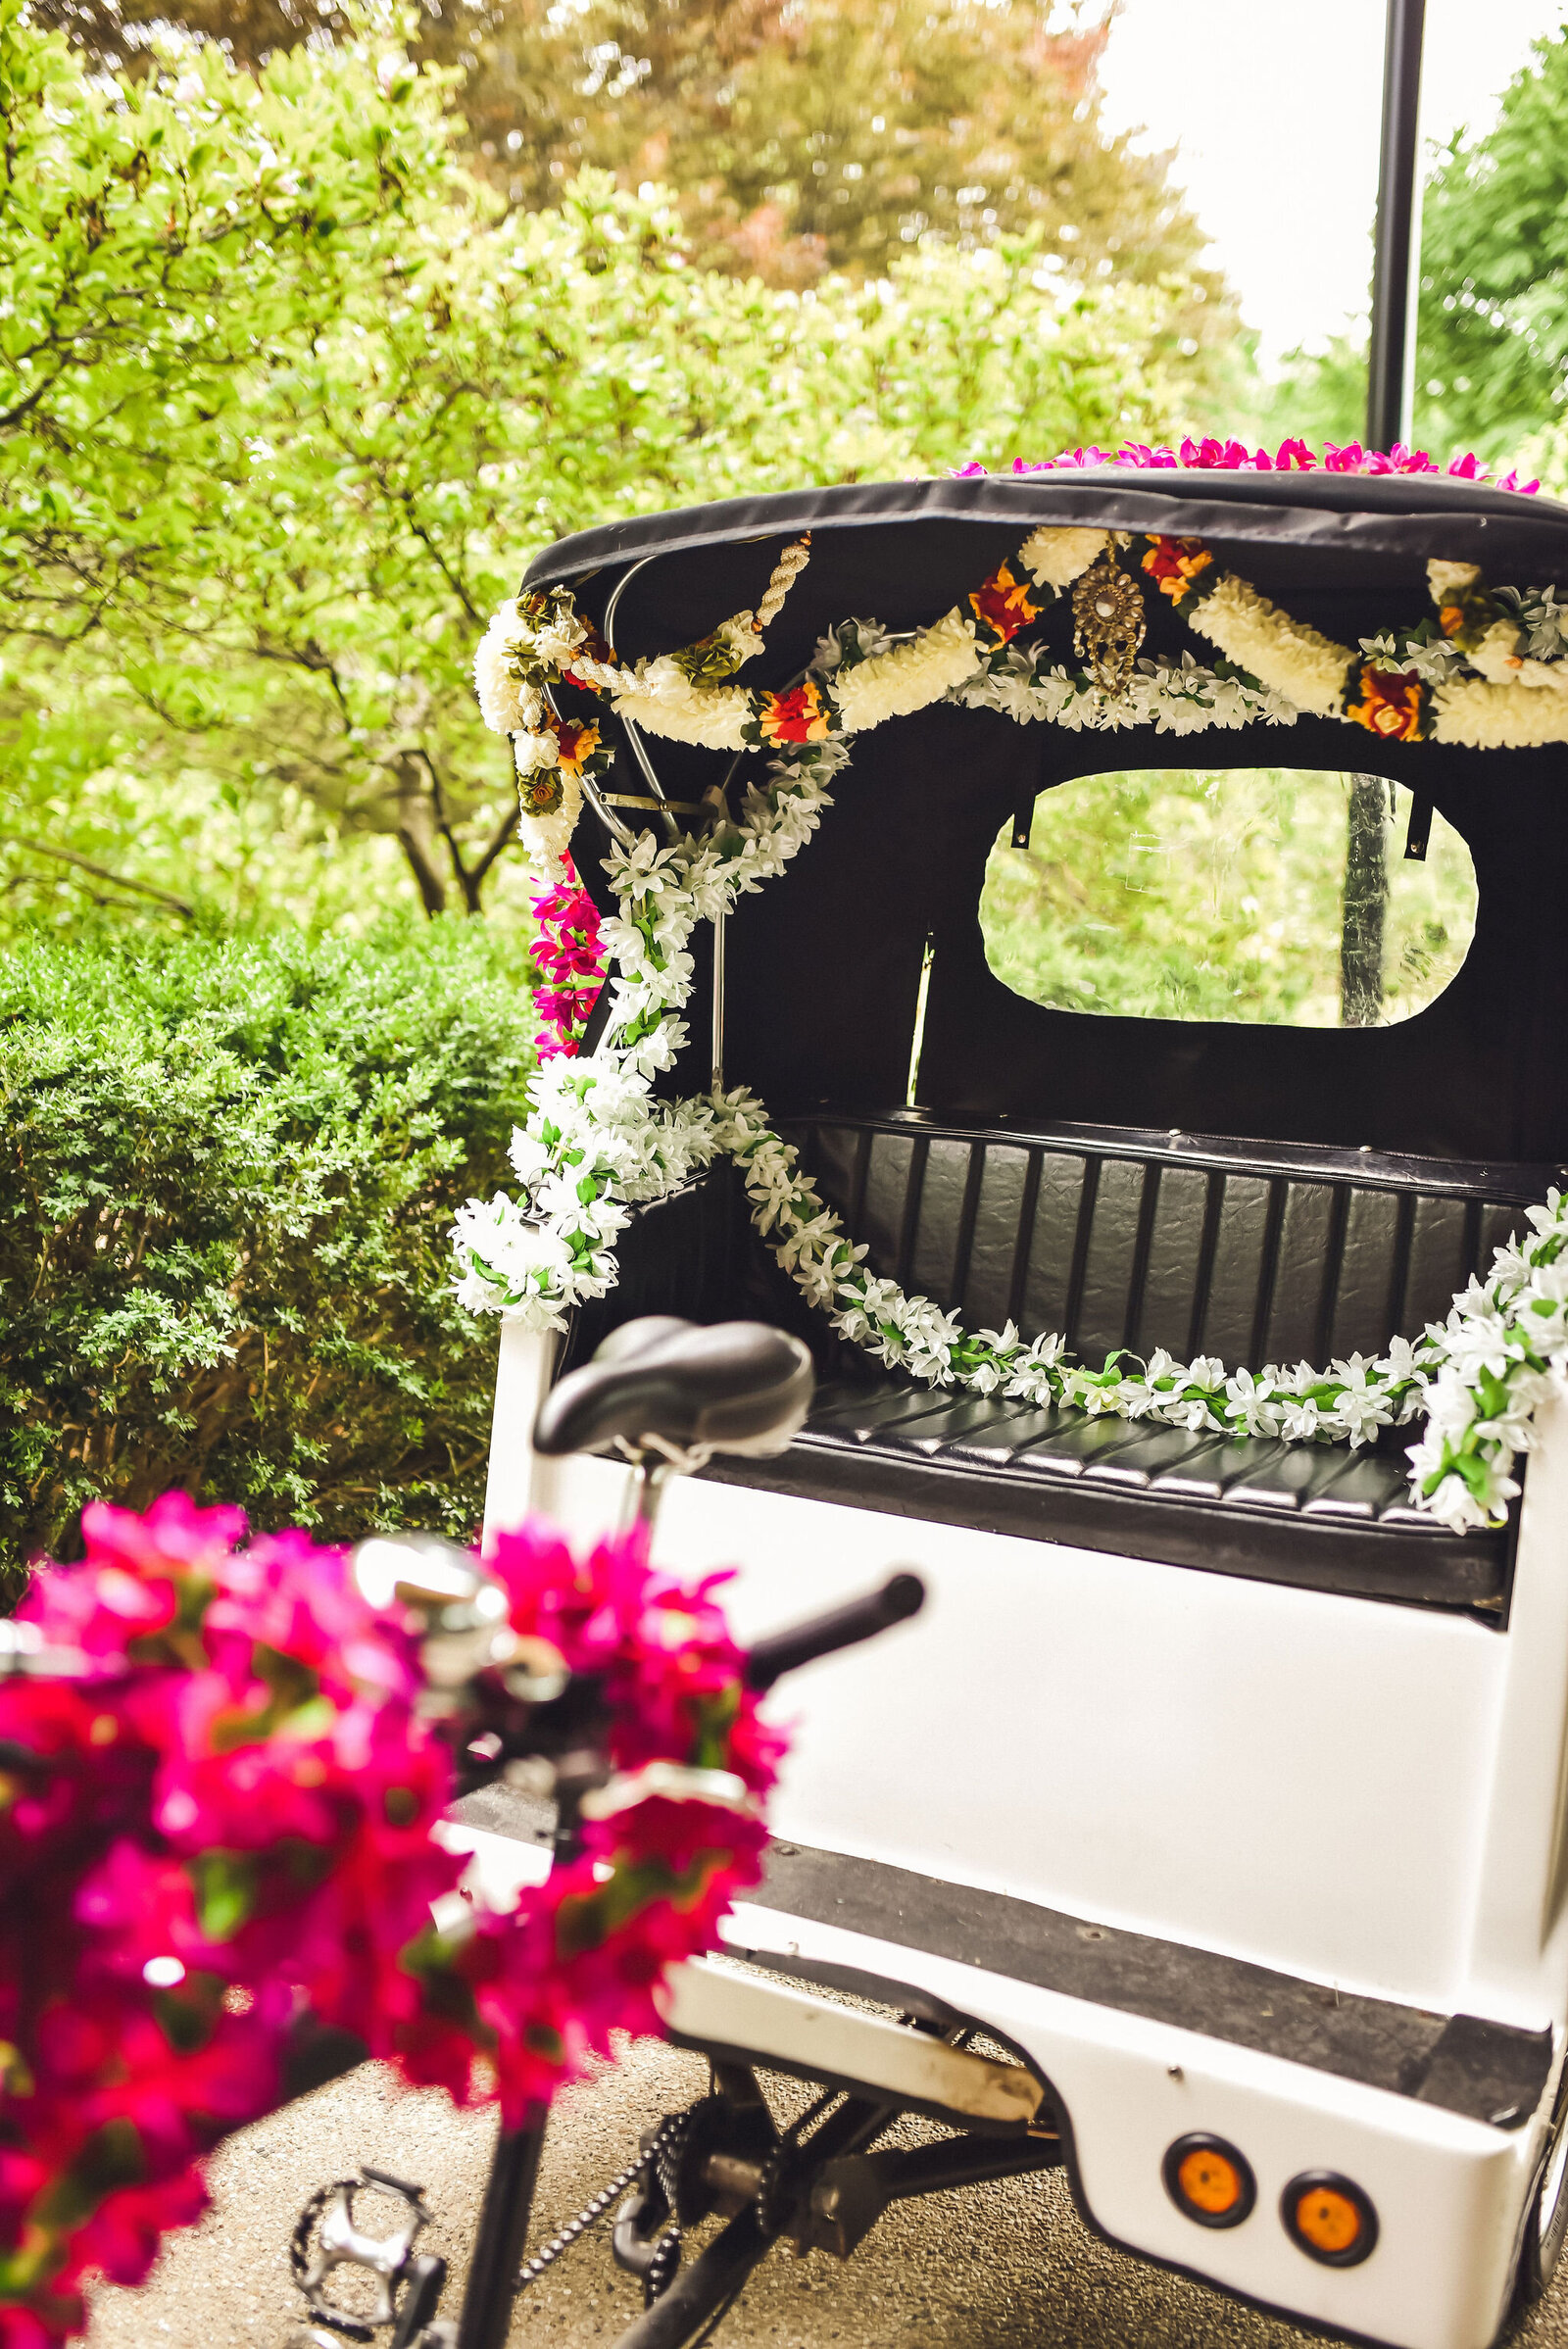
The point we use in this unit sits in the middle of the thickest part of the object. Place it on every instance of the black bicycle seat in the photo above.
(738, 1386)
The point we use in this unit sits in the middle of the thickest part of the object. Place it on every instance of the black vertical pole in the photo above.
(1397, 239)
(504, 2215)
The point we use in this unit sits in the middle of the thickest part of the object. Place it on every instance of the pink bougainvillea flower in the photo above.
(1208, 453)
(230, 1826)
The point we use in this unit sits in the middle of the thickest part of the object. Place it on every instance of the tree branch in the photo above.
(101, 872)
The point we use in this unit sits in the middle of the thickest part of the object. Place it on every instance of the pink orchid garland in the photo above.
(568, 953)
(216, 1824)
(1291, 456)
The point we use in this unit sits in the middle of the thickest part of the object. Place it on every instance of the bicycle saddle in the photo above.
(667, 1386)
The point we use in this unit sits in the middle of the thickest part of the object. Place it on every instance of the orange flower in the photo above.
(794, 717)
(1450, 618)
(1390, 704)
(578, 744)
(1003, 605)
(1173, 564)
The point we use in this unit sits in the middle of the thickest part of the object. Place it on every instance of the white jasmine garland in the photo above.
(906, 677)
(660, 698)
(1495, 717)
(1295, 660)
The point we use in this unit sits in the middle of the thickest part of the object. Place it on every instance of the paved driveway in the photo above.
(1008, 2267)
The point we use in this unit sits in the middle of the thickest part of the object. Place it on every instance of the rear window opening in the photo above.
(1278, 895)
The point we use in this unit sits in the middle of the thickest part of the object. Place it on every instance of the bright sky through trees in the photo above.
(1275, 106)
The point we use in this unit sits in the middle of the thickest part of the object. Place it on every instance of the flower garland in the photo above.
(1489, 672)
(1234, 455)
(568, 952)
(218, 1797)
(597, 1143)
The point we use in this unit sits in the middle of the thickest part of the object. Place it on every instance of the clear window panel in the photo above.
(1273, 895)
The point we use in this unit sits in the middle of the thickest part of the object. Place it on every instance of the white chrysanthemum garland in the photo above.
(597, 1143)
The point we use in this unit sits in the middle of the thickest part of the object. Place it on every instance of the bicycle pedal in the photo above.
(338, 2242)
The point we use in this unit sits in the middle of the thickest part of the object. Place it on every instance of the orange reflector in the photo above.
(1329, 2219)
(1209, 2181)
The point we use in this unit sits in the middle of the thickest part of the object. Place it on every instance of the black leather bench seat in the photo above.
(1319, 1516)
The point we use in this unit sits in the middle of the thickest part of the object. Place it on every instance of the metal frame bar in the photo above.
(1391, 367)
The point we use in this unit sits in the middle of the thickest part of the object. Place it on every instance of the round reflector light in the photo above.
(1209, 2181)
(1329, 2219)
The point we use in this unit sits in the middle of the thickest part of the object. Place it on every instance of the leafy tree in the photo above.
(289, 400)
(802, 135)
(1493, 354)
(1491, 347)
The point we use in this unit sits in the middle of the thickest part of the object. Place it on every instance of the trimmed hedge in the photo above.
(227, 1176)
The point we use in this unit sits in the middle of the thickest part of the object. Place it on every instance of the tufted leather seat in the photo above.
(1317, 1516)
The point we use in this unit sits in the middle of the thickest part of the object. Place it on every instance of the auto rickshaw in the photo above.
(1219, 1787)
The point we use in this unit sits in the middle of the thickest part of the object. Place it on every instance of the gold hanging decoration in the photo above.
(1108, 623)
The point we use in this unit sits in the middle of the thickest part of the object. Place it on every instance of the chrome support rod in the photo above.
(608, 816)
(638, 750)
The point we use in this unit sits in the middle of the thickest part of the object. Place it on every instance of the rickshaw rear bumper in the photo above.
(1450, 2193)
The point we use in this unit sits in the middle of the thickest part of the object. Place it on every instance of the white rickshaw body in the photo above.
(1217, 1779)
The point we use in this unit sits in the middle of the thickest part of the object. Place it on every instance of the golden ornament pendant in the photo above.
(1108, 623)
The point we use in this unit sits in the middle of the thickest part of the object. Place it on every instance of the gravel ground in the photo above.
(1000, 2267)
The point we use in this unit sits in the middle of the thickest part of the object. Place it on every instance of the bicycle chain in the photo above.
(659, 2156)
(770, 2202)
(666, 2153)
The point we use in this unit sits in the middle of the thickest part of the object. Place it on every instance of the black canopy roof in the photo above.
(824, 962)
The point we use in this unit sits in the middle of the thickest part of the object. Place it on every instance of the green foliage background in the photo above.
(226, 1173)
(1213, 894)
(287, 398)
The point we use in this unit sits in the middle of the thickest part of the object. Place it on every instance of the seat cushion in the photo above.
(1315, 1515)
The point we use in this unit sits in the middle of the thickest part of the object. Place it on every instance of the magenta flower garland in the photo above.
(570, 955)
(218, 1795)
(1235, 457)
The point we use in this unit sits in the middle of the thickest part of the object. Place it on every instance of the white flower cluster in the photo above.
(906, 677)
(1542, 620)
(660, 697)
(1503, 1348)
(1431, 657)
(529, 642)
(1497, 717)
(545, 838)
(1054, 558)
(1174, 697)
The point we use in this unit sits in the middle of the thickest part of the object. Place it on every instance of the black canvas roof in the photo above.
(824, 962)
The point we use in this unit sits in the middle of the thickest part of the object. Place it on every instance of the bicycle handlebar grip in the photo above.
(901, 1596)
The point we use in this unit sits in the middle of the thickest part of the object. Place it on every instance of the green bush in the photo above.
(227, 1176)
